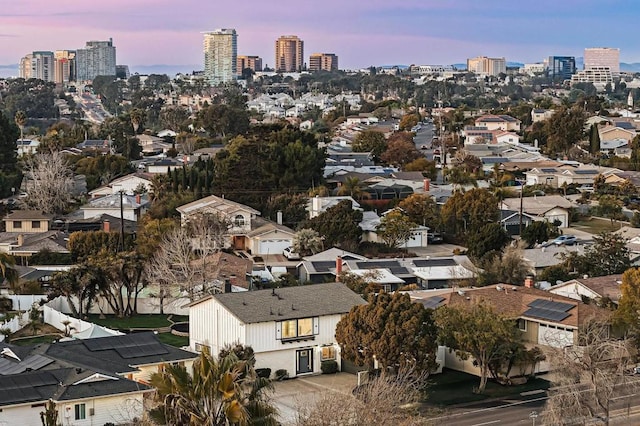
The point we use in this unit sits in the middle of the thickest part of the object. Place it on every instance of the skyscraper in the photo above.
(323, 62)
(289, 54)
(25, 66)
(97, 58)
(42, 65)
(64, 66)
(220, 56)
(254, 63)
(561, 67)
(599, 57)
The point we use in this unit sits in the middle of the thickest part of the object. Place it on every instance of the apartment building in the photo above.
(254, 63)
(289, 54)
(485, 65)
(220, 56)
(64, 66)
(97, 58)
(602, 57)
(323, 62)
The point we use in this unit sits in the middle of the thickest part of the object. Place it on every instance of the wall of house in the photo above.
(454, 362)
(115, 409)
(145, 305)
(575, 291)
(560, 214)
(285, 359)
(212, 325)
(128, 214)
(531, 333)
(27, 226)
(145, 371)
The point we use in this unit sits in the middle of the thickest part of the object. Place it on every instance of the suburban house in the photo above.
(539, 114)
(511, 220)
(597, 288)
(498, 122)
(540, 258)
(95, 146)
(549, 208)
(248, 231)
(163, 165)
(320, 267)
(152, 145)
(128, 184)
(131, 206)
(91, 382)
(318, 205)
(27, 146)
(608, 133)
(28, 232)
(291, 328)
(27, 221)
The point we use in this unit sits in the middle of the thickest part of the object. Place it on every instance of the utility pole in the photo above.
(522, 182)
(121, 222)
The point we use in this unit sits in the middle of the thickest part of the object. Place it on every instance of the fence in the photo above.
(15, 324)
(145, 305)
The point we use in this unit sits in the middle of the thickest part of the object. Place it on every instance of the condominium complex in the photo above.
(599, 57)
(39, 65)
(254, 63)
(323, 62)
(97, 58)
(64, 66)
(289, 54)
(220, 56)
(561, 67)
(489, 66)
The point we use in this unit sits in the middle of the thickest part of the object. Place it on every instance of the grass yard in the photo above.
(139, 321)
(596, 226)
(173, 340)
(454, 387)
(49, 338)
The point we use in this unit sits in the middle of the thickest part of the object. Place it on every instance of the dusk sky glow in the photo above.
(361, 33)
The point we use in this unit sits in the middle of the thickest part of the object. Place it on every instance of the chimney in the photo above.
(426, 184)
(138, 198)
(279, 217)
(338, 268)
(316, 205)
(227, 286)
(106, 226)
(20, 240)
(528, 281)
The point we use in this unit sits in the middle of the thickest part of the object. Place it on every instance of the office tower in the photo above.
(122, 72)
(289, 54)
(64, 66)
(561, 67)
(25, 67)
(254, 63)
(489, 66)
(599, 57)
(323, 62)
(220, 56)
(97, 58)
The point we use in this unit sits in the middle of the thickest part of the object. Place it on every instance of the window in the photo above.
(17, 224)
(80, 410)
(35, 224)
(292, 329)
(238, 220)
(328, 353)
(522, 324)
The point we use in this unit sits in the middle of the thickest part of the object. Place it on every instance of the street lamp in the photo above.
(533, 416)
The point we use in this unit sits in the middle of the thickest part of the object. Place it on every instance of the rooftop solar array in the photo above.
(128, 346)
(430, 263)
(323, 265)
(545, 170)
(548, 310)
(392, 265)
(32, 362)
(432, 302)
(586, 172)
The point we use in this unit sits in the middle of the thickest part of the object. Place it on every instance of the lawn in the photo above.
(173, 340)
(138, 321)
(454, 387)
(596, 226)
(36, 340)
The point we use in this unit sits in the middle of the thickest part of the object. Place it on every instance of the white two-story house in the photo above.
(291, 328)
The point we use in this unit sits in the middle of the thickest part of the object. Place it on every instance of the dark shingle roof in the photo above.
(28, 215)
(290, 302)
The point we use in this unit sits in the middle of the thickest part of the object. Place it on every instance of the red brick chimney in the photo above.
(426, 184)
(138, 198)
(338, 268)
(528, 281)
(106, 226)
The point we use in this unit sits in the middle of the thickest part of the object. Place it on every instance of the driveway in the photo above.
(291, 395)
(436, 250)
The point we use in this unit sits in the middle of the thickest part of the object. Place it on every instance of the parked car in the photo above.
(290, 254)
(434, 238)
(565, 240)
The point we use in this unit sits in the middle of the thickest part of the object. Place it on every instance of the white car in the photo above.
(290, 254)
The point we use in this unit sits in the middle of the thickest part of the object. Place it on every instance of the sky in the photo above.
(360, 32)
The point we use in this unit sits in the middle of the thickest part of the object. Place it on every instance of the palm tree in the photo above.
(7, 269)
(223, 391)
(353, 187)
(21, 121)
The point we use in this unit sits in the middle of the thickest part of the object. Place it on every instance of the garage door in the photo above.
(273, 246)
(557, 337)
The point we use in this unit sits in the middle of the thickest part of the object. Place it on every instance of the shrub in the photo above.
(282, 374)
(263, 372)
(329, 367)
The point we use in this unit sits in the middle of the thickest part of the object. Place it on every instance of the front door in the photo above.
(304, 361)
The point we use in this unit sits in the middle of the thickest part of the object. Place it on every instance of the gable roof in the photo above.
(537, 205)
(288, 302)
(28, 215)
(608, 285)
(216, 202)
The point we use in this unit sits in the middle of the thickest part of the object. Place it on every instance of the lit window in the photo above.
(289, 329)
(80, 410)
(305, 327)
(238, 220)
(328, 353)
(297, 328)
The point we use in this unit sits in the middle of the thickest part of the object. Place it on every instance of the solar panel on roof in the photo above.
(128, 352)
(19, 395)
(586, 172)
(546, 314)
(432, 302)
(548, 170)
(423, 263)
(323, 265)
(551, 305)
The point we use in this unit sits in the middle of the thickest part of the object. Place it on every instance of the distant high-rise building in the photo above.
(254, 63)
(220, 56)
(561, 67)
(289, 54)
(489, 66)
(25, 67)
(598, 57)
(64, 66)
(323, 62)
(122, 71)
(97, 58)
(42, 65)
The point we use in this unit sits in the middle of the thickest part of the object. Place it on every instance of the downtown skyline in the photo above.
(376, 32)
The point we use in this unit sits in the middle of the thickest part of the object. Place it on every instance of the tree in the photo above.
(395, 228)
(538, 232)
(607, 255)
(372, 141)
(421, 209)
(224, 121)
(307, 241)
(338, 225)
(469, 211)
(594, 139)
(564, 128)
(486, 241)
(427, 167)
(628, 313)
(391, 329)
(609, 206)
(400, 150)
(50, 183)
(79, 285)
(506, 267)
(219, 392)
(174, 118)
(354, 188)
(21, 121)
(589, 376)
(8, 271)
(408, 121)
(123, 280)
(10, 176)
(476, 330)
